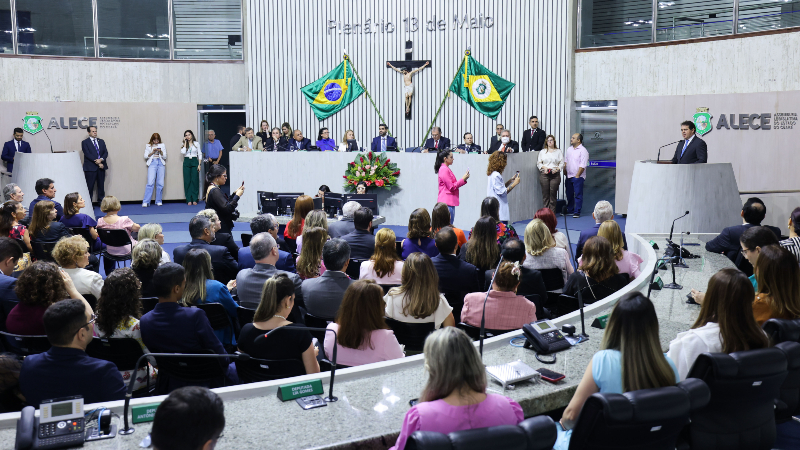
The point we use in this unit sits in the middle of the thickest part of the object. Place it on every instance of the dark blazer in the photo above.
(59, 208)
(10, 149)
(589, 232)
(250, 283)
(224, 206)
(8, 296)
(324, 294)
(226, 240)
(63, 372)
(728, 239)
(302, 145)
(696, 152)
(90, 154)
(341, 227)
(362, 244)
(443, 143)
(235, 139)
(283, 144)
(472, 148)
(225, 267)
(376, 143)
(530, 283)
(494, 139)
(285, 261)
(54, 232)
(514, 145)
(533, 140)
(455, 275)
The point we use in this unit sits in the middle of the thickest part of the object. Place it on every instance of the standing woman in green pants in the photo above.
(191, 167)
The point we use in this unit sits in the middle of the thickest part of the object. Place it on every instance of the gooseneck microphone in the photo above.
(569, 243)
(673, 225)
(658, 158)
(48, 138)
(483, 314)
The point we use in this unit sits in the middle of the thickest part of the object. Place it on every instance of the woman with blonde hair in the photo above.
(201, 289)
(498, 188)
(778, 279)
(419, 237)
(309, 263)
(113, 221)
(155, 155)
(72, 254)
(155, 232)
(314, 218)
(145, 259)
(384, 267)
(348, 135)
(627, 262)
(418, 300)
(598, 275)
(277, 301)
(263, 131)
(454, 397)
(542, 250)
(302, 206)
(505, 310)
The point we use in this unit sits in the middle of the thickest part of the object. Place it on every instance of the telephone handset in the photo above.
(544, 337)
(60, 424)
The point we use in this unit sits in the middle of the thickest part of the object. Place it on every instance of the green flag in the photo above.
(333, 92)
(483, 89)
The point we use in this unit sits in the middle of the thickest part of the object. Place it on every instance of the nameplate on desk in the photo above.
(601, 322)
(604, 164)
(144, 413)
(658, 284)
(292, 391)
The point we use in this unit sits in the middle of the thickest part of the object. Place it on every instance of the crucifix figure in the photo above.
(408, 68)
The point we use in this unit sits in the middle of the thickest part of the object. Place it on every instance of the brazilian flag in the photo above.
(333, 92)
(483, 89)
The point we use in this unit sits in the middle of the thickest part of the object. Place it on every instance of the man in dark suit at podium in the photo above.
(436, 142)
(505, 144)
(382, 142)
(533, 139)
(13, 146)
(692, 149)
(298, 142)
(469, 145)
(95, 156)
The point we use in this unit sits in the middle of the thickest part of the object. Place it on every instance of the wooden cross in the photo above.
(410, 67)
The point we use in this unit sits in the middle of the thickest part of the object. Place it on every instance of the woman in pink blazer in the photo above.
(448, 185)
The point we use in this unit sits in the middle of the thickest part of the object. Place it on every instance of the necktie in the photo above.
(17, 142)
(684, 148)
(274, 146)
(95, 145)
(383, 144)
(503, 149)
(436, 145)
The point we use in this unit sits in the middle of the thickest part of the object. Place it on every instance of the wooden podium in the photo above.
(65, 169)
(662, 192)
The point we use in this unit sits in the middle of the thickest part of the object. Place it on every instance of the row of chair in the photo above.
(43, 251)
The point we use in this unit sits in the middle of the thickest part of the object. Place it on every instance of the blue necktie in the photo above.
(684, 148)
(383, 144)
(96, 147)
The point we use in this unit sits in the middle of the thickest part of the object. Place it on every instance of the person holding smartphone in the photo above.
(448, 185)
(498, 188)
(219, 201)
(155, 153)
(550, 164)
(190, 150)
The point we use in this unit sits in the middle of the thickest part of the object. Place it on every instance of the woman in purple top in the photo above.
(73, 218)
(455, 397)
(419, 237)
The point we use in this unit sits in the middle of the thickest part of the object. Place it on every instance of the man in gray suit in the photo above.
(324, 294)
(250, 282)
(346, 224)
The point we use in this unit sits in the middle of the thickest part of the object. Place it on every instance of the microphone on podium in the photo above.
(658, 158)
(483, 314)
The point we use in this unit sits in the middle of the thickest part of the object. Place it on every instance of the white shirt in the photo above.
(162, 156)
(497, 188)
(192, 152)
(394, 310)
(685, 348)
(553, 161)
(86, 281)
(17, 143)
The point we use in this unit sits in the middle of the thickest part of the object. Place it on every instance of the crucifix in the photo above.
(408, 68)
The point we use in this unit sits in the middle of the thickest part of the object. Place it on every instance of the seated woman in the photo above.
(542, 252)
(74, 218)
(145, 260)
(201, 288)
(72, 254)
(38, 287)
(43, 228)
(155, 232)
(364, 337)
(315, 218)
(11, 212)
(384, 267)
(505, 310)
(277, 301)
(302, 206)
(309, 263)
(418, 300)
(324, 141)
(598, 275)
(454, 397)
(725, 324)
(221, 239)
(440, 218)
(632, 328)
(482, 250)
(113, 221)
(627, 262)
(549, 218)
(118, 312)
(778, 277)
(490, 206)
(418, 238)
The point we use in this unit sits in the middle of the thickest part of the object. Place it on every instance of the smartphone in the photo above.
(242, 183)
(549, 375)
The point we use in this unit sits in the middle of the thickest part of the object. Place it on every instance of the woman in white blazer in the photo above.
(155, 153)
(349, 134)
(190, 150)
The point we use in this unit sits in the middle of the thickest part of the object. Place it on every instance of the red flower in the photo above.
(361, 158)
(344, 176)
(396, 173)
(368, 183)
(379, 183)
(387, 161)
(353, 163)
(370, 155)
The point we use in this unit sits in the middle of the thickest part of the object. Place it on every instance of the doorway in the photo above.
(223, 119)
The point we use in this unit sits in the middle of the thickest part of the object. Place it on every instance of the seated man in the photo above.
(298, 142)
(46, 189)
(361, 240)
(436, 142)
(469, 145)
(602, 211)
(344, 225)
(753, 212)
(505, 144)
(66, 369)
(10, 253)
(202, 233)
(250, 282)
(530, 280)
(190, 418)
(324, 294)
(265, 223)
(455, 274)
(171, 328)
(383, 141)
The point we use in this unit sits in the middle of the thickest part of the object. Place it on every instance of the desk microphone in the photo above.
(673, 225)
(483, 314)
(658, 158)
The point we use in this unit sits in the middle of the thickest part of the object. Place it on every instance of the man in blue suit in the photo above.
(298, 142)
(95, 164)
(202, 233)
(455, 274)
(265, 223)
(66, 370)
(382, 142)
(13, 146)
(602, 211)
(753, 212)
(10, 253)
(469, 145)
(436, 142)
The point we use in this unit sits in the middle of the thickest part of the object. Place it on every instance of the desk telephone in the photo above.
(544, 337)
(60, 424)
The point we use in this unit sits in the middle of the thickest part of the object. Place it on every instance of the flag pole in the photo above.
(447, 92)
(353, 68)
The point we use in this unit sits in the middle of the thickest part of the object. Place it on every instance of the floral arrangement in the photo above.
(375, 169)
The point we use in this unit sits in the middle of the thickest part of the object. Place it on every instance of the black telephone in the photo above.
(60, 424)
(544, 337)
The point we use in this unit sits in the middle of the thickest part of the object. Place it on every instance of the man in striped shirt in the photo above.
(793, 243)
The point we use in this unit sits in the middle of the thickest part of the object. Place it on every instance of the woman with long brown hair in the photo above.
(155, 154)
(363, 336)
(190, 149)
(778, 278)
(482, 250)
(418, 300)
(302, 206)
(627, 262)
(725, 324)
(550, 164)
(384, 267)
(419, 237)
(201, 289)
(309, 263)
(263, 131)
(42, 226)
(598, 275)
(440, 218)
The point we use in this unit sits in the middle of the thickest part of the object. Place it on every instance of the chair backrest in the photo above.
(84, 233)
(266, 370)
(217, 315)
(148, 304)
(318, 322)
(354, 268)
(123, 352)
(536, 433)
(553, 278)
(245, 315)
(782, 331)
(114, 238)
(566, 304)
(475, 332)
(43, 251)
(246, 237)
(91, 299)
(456, 301)
(398, 247)
(25, 345)
(648, 418)
(192, 371)
(744, 386)
(411, 335)
(386, 287)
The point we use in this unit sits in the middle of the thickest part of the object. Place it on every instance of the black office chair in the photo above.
(398, 247)
(91, 299)
(645, 419)
(354, 268)
(318, 322)
(123, 352)
(245, 315)
(553, 281)
(290, 245)
(256, 370)
(148, 304)
(87, 235)
(566, 304)
(24, 345)
(536, 433)
(246, 237)
(411, 335)
(219, 319)
(115, 238)
(209, 372)
(386, 287)
(456, 301)
(43, 251)
(475, 332)
(744, 387)
(781, 332)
